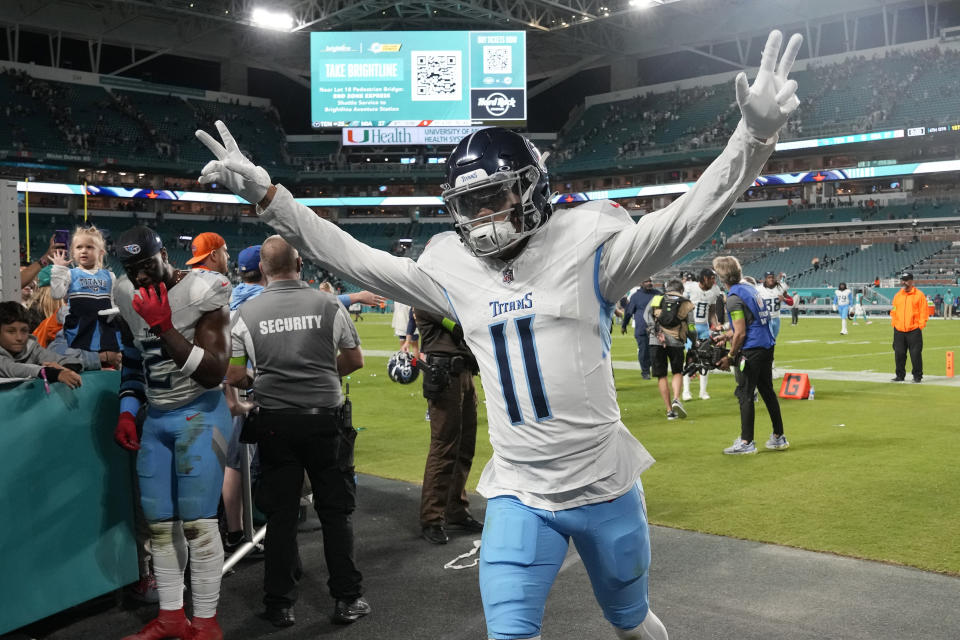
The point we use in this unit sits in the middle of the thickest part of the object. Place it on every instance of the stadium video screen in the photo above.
(417, 78)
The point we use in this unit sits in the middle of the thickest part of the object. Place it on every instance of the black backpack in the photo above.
(669, 317)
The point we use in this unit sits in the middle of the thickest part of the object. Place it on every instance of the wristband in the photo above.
(130, 404)
(193, 361)
(43, 376)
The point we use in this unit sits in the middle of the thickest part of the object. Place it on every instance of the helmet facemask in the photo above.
(494, 213)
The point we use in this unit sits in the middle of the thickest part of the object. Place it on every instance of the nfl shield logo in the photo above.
(508, 275)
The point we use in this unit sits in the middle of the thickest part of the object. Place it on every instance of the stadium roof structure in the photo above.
(564, 36)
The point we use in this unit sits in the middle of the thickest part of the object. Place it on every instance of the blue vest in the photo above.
(758, 333)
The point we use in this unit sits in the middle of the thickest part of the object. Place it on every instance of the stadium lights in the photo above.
(272, 19)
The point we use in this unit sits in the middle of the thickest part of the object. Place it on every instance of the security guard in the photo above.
(292, 334)
(452, 400)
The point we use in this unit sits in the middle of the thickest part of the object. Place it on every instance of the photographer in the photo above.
(751, 352)
(293, 333)
(452, 401)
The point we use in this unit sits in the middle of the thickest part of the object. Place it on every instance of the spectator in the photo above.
(301, 424)
(452, 408)
(22, 357)
(42, 305)
(634, 308)
(751, 353)
(908, 317)
(88, 289)
(669, 319)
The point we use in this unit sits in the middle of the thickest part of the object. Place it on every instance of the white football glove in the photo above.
(231, 168)
(768, 103)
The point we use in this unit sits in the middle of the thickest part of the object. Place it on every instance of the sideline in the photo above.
(817, 374)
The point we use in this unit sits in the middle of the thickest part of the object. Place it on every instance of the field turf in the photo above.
(873, 469)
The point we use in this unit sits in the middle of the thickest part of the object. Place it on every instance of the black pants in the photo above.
(317, 444)
(912, 341)
(643, 353)
(795, 314)
(757, 375)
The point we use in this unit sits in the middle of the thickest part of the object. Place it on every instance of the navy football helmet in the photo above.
(402, 368)
(497, 190)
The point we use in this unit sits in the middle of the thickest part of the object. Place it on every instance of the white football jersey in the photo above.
(843, 297)
(702, 301)
(771, 296)
(541, 335)
(199, 292)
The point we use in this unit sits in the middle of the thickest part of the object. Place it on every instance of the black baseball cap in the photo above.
(707, 272)
(138, 243)
(906, 275)
(769, 273)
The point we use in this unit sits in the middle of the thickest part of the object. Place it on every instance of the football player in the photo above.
(534, 291)
(859, 311)
(177, 356)
(705, 295)
(772, 292)
(841, 303)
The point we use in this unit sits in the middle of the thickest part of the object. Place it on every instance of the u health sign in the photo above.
(386, 136)
(395, 79)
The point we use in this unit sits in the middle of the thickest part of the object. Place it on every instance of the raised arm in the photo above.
(317, 239)
(659, 238)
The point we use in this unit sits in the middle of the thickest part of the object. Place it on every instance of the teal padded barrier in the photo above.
(66, 510)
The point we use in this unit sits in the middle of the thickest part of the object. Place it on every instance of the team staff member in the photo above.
(751, 351)
(452, 402)
(292, 335)
(908, 317)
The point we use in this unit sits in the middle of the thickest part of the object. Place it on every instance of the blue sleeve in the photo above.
(344, 299)
(132, 380)
(411, 324)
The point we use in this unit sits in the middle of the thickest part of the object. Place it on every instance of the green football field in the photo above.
(873, 470)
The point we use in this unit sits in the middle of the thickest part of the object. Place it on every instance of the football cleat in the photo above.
(205, 629)
(168, 624)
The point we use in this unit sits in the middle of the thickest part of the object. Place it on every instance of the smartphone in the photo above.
(61, 237)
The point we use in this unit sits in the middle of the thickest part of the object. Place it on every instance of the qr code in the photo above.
(437, 75)
(497, 60)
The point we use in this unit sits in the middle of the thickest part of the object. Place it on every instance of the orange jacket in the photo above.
(909, 310)
(46, 332)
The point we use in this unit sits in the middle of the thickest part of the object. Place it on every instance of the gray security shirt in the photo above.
(291, 333)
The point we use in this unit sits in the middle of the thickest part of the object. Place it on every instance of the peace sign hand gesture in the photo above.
(771, 99)
(231, 168)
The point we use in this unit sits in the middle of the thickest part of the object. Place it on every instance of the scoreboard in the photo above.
(417, 78)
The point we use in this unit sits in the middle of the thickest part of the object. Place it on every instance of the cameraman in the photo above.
(452, 401)
(751, 352)
(293, 333)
